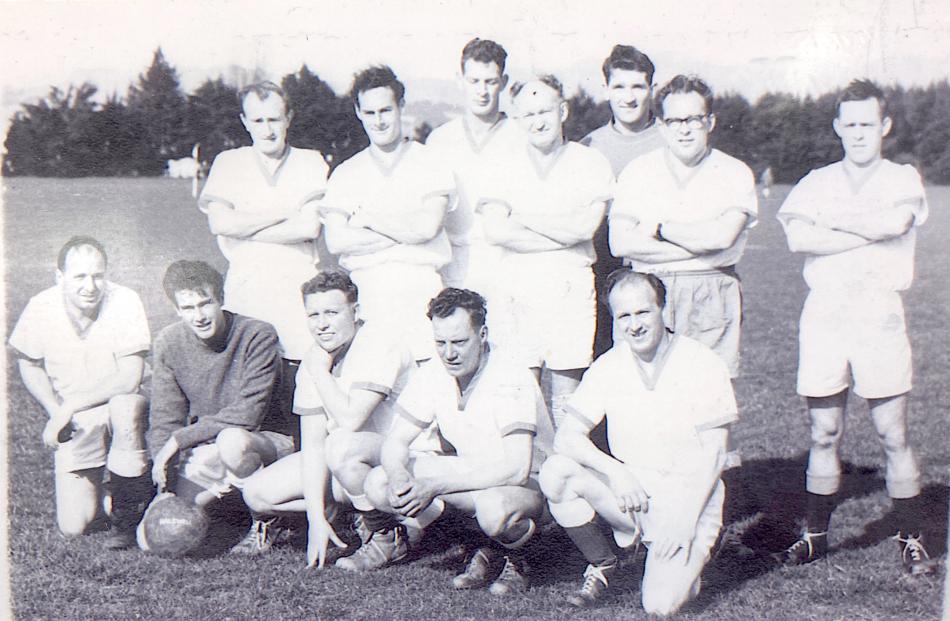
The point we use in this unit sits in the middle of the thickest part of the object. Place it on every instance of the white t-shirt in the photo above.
(364, 182)
(885, 265)
(650, 191)
(654, 424)
(578, 179)
(473, 259)
(374, 361)
(502, 399)
(76, 363)
(264, 279)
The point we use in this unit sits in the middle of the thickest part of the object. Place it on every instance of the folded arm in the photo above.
(810, 238)
(415, 226)
(345, 239)
(566, 229)
(224, 219)
(631, 239)
(503, 230)
(707, 236)
(876, 225)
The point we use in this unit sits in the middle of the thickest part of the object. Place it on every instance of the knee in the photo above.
(254, 494)
(233, 445)
(339, 450)
(662, 602)
(493, 512)
(554, 475)
(128, 411)
(825, 434)
(71, 525)
(376, 487)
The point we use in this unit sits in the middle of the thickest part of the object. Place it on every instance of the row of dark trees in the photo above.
(69, 134)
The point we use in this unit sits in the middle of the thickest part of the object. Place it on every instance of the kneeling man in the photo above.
(81, 348)
(668, 402)
(213, 379)
(490, 410)
(346, 387)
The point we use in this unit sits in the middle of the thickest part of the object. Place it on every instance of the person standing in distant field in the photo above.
(547, 200)
(684, 213)
(470, 144)
(80, 348)
(631, 132)
(261, 202)
(213, 379)
(384, 210)
(668, 402)
(856, 223)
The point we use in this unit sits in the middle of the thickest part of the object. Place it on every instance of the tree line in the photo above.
(69, 134)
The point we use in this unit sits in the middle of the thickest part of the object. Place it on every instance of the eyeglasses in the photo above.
(693, 122)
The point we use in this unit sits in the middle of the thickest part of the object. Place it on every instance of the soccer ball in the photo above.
(172, 527)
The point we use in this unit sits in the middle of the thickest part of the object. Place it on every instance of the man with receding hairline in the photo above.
(80, 348)
(547, 200)
(668, 403)
(261, 202)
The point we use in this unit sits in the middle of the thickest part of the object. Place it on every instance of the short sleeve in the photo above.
(587, 404)
(318, 171)
(515, 403)
(374, 362)
(747, 200)
(132, 335)
(27, 335)
(912, 193)
(801, 203)
(716, 405)
(627, 190)
(438, 174)
(307, 401)
(416, 402)
(220, 183)
(599, 177)
(339, 195)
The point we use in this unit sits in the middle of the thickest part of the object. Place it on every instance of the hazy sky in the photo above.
(804, 46)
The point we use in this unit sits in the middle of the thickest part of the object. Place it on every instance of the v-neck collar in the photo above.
(465, 395)
(387, 168)
(857, 183)
(476, 145)
(651, 380)
(270, 177)
(543, 167)
(675, 168)
(82, 333)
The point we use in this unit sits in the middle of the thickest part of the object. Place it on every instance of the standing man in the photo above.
(213, 380)
(856, 223)
(684, 214)
(548, 199)
(491, 410)
(346, 388)
(469, 145)
(631, 132)
(384, 210)
(261, 203)
(668, 402)
(80, 349)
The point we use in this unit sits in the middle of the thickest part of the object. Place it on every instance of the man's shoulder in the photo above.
(47, 297)
(723, 162)
(447, 133)
(249, 326)
(506, 369)
(351, 165)
(645, 164)
(698, 354)
(233, 156)
(602, 133)
(373, 341)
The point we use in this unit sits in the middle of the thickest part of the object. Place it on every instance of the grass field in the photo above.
(147, 223)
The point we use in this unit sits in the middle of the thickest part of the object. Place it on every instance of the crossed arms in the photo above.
(369, 230)
(842, 232)
(681, 241)
(540, 232)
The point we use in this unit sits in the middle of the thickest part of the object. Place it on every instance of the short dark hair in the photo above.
(484, 51)
(547, 79)
(78, 241)
(629, 58)
(377, 76)
(263, 90)
(196, 276)
(331, 280)
(450, 299)
(625, 275)
(683, 84)
(859, 90)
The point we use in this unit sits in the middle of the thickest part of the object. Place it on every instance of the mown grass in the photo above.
(147, 223)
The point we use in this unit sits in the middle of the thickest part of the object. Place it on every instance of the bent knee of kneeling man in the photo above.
(555, 471)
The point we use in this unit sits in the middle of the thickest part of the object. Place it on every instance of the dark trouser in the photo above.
(280, 416)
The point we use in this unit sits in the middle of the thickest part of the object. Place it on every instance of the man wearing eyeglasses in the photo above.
(683, 213)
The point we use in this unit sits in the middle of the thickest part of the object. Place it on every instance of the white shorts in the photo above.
(397, 295)
(707, 307)
(89, 445)
(431, 464)
(202, 464)
(857, 337)
(548, 320)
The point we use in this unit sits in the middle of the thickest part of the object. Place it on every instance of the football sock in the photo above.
(130, 497)
(592, 543)
(818, 509)
(377, 520)
(908, 515)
